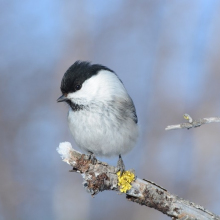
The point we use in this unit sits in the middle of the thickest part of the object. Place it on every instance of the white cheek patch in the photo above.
(100, 87)
(86, 94)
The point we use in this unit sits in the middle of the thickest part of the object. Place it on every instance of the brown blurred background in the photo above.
(167, 55)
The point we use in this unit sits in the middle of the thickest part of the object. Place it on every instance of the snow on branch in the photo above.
(100, 176)
(192, 123)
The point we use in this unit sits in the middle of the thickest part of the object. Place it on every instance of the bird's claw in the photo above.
(120, 165)
(92, 158)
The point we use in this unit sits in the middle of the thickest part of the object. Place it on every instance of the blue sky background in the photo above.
(167, 55)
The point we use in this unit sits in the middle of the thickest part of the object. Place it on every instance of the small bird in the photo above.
(102, 116)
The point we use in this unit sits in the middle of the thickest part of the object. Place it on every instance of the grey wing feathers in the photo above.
(132, 107)
(126, 109)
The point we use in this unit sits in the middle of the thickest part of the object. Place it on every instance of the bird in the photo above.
(102, 117)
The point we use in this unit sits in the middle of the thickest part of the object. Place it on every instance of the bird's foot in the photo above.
(73, 170)
(120, 165)
(92, 158)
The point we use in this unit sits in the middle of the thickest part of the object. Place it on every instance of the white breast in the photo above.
(101, 132)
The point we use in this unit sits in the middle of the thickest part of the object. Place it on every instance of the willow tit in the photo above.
(102, 117)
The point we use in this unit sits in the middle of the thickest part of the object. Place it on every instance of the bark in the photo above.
(100, 176)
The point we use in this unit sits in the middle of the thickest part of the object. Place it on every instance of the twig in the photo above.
(100, 176)
(192, 123)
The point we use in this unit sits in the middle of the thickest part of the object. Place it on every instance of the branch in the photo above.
(192, 123)
(100, 176)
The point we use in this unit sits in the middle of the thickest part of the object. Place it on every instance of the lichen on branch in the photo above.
(101, 176)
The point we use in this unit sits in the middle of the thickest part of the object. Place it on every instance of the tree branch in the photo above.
(100, 176)
(192, 123)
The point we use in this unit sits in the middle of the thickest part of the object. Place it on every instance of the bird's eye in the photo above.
(78, 87)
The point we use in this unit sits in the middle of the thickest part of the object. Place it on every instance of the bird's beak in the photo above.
(62, 98)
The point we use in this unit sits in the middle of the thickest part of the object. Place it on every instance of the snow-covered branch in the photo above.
(100, 176)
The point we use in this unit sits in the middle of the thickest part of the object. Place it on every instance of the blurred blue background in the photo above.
(166, 53)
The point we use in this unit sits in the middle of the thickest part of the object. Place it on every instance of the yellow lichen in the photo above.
(186, 116)
(125, 180)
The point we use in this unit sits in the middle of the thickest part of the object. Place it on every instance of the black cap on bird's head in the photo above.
(76, 75)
